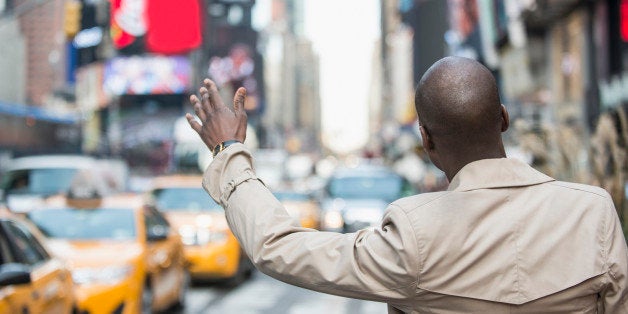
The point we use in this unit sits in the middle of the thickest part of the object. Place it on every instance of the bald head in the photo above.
(460, 114)
(457, 101)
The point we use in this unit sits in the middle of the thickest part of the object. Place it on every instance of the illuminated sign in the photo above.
(234, 70)
(174, 26)
(147, 75)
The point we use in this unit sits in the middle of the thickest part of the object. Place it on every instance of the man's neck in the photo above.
(463, 159)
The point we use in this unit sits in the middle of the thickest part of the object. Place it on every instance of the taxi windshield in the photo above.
(184, 200)
(85, 224)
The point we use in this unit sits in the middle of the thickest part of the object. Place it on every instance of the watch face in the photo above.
(220, 147)
(217, 149)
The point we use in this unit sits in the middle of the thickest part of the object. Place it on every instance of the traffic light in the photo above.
(72, 18)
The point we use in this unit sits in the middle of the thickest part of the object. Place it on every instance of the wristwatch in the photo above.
(220, 147)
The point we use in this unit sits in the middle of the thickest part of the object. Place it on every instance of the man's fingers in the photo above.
(238, 100)
(214, 96)
(193, 123)
(198, 109)
(206, 105)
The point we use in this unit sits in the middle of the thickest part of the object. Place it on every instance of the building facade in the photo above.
(292, 120)
(560, 66)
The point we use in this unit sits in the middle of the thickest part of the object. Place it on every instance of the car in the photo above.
(356, 197)
(211, 249)
(301, 206)
(29, 180)
(31, 279)
(124, 256)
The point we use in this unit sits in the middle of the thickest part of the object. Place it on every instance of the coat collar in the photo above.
(496, 173)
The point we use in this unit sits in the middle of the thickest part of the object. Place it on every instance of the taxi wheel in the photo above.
(147, 300)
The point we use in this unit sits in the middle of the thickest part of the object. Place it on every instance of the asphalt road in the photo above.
(264, 295)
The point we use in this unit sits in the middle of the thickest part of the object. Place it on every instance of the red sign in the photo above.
(174, 27)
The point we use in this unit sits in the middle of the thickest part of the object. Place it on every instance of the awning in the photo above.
(38, 113)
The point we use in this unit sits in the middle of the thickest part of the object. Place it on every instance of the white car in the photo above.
(28, 180)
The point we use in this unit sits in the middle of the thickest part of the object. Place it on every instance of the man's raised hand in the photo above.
(219, 123)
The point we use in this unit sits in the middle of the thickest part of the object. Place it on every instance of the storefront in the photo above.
(34, 130)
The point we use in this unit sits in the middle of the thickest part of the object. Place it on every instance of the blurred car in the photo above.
(301, 206)
(28, 180)
(356, 198)
(211, 250)
(31, 280)
(123, 254)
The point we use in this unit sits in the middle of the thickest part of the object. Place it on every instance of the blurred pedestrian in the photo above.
(503, 238)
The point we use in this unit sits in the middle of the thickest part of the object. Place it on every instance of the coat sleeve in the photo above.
(379, 264)
(614, 296)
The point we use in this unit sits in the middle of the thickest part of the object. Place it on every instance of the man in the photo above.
(503, 238)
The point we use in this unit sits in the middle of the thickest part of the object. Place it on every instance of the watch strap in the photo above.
(220, 147)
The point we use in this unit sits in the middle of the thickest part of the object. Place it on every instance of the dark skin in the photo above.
(220, 123)
(460, 115)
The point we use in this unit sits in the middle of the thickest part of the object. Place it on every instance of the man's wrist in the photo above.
(222, 146)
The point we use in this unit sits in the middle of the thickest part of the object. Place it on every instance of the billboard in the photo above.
(144, 75)
(128, 22)
(174, 27)
(238, 65)
(159, 26)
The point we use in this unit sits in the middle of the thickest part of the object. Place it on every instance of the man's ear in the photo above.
(425, 137)
(505, 119)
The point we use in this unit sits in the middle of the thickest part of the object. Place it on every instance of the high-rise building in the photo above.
(293, 116)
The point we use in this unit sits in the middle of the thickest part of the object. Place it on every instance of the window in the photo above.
(25, 247)
(39, 181)
(5, 251)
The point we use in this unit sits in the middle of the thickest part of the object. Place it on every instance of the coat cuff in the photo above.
(231, 167)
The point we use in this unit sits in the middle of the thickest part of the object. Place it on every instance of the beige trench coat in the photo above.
(503, 238)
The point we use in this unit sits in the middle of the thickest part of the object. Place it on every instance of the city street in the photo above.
(264, 295)
(475, 145)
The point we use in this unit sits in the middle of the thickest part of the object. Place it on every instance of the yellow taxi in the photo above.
(211, 250)
(31, 279)
(124, 256)
(301, 206)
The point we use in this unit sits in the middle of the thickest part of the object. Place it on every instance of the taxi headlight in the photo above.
(333, 220)
(188, 235)
(105, 275)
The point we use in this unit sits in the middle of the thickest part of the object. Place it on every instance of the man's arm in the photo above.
(377, 264)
